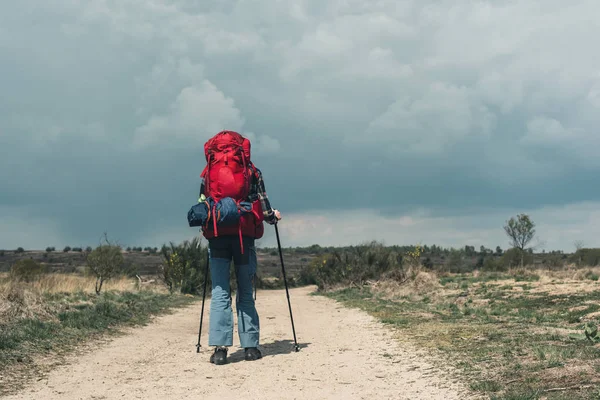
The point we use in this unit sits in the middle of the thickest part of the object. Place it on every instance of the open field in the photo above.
(514, 335)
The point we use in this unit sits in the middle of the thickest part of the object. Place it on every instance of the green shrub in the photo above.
(354, 266)
(492, 264)
(184, 267)
(27, 270)
(512, 258)
(554, 261)
(587, 257)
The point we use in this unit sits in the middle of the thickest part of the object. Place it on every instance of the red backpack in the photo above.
(228, 173)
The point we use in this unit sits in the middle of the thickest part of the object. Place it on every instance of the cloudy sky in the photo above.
(402, 121)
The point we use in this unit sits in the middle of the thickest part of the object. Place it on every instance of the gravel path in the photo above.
(345, 354)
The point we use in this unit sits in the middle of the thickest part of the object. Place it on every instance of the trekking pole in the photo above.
(203, 298)
(286, 287)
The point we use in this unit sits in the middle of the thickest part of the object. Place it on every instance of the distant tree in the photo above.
(469, 250)
(50, 249)
(88, 249)
(67, 249)
(520, 230)
(498, 250)
(129, 249)
(20, 250)
(105, 262)
(77, 249)
(2, 252)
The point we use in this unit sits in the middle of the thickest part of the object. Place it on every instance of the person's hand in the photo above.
(277, 214)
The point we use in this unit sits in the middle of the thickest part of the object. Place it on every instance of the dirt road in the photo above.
(344, 354)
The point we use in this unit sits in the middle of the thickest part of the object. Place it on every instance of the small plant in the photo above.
(591, 332)
(413, 258)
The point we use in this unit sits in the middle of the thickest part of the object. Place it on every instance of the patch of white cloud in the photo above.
(544, 130)
(262, 144)
(443, 115)
(197, 113)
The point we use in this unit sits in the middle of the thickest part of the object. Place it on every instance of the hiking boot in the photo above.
(252, 353)
(219, 357)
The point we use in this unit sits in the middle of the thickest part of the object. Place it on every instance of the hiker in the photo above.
(229, 174)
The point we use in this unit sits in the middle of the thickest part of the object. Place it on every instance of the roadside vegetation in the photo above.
(512, 328)
(46, 315)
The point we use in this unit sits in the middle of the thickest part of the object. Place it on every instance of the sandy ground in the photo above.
(345, 354)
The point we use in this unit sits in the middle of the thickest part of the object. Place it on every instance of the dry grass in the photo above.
(421, 282)
(26, 299)
(569, 273)
(510, 332)
(70, 283)
(42, 320)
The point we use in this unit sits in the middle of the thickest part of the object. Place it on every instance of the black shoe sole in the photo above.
(253, 357)
(218, 362)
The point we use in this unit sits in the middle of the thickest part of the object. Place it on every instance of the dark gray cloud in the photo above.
(445, 106)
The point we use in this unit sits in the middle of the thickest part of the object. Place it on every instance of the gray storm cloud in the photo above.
(106, 107)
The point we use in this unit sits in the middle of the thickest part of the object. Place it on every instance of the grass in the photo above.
(511, 334)
(46, 319)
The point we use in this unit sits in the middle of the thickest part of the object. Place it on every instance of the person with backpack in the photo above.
(236, 204)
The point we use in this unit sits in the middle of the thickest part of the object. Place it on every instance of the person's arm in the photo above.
(271, 216)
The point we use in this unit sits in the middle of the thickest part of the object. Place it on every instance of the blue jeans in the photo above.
(222, 251)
